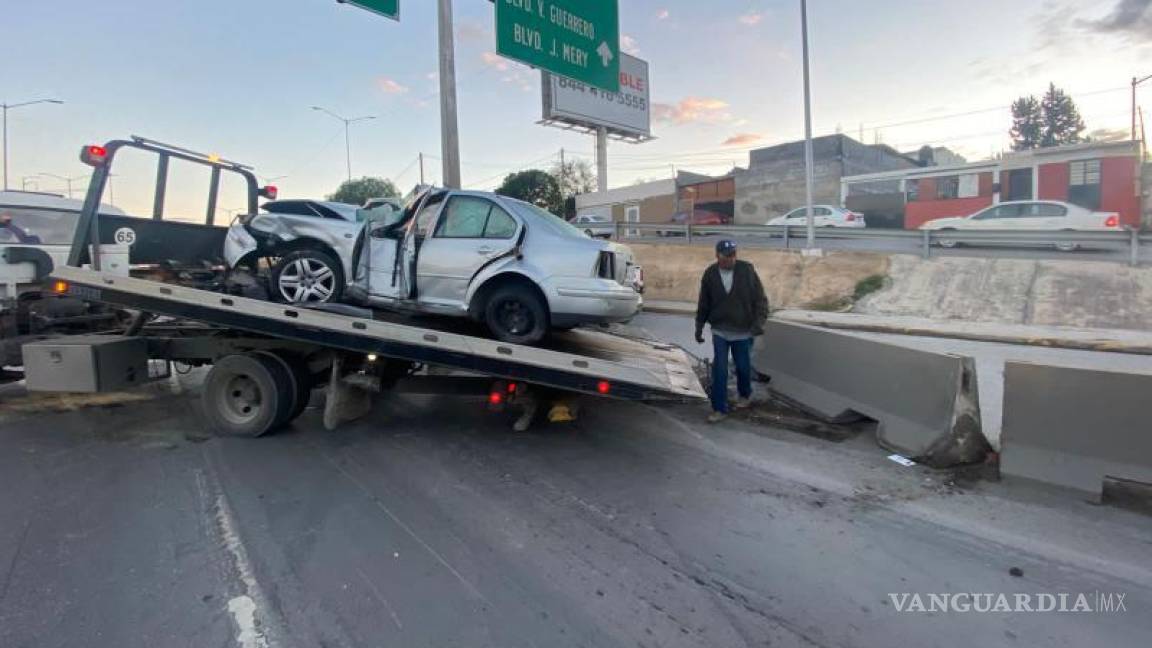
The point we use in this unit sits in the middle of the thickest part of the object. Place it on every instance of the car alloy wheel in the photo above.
(308, 277)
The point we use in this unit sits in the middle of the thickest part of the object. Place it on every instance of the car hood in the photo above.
(938, 223)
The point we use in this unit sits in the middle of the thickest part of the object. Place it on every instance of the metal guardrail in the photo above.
(925, 240)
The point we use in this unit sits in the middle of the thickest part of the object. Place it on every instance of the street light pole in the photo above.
(67, 180)
(449, 131)
(347, 139)
(811, 217)
(4, 108)
(1136, 82)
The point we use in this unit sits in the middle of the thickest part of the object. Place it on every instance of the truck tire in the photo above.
(301, 378)
(247, 395)
(516, 314)
(307, 277)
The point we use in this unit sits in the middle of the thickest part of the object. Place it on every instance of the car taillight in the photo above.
(851, 218)
(1113, 220)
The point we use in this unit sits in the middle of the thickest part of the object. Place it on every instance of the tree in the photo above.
(1062, 122)
(534, 186)
(361, 190)
(1027, 123)
(575, 177)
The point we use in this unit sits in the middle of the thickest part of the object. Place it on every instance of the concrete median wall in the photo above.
(925, 403)
(1075, 427)
(672, 273)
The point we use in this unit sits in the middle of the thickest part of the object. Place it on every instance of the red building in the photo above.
(1099, 176)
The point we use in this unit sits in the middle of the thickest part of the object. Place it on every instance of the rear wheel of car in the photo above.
(1067, 247)
(516, 314)
(307, 277)
(949, 244)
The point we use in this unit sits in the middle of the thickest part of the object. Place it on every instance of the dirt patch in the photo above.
(39, 402)
(672, 273)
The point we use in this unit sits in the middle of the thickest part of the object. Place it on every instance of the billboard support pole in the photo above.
(601, 159)
(449, 135)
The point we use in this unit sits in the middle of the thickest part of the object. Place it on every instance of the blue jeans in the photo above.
(742, 357)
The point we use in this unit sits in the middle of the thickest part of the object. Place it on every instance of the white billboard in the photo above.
(626, 113)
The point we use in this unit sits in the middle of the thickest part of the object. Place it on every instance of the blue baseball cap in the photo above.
(726, 247)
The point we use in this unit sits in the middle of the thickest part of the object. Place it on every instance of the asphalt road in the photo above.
(1115, 253)
(431, 523)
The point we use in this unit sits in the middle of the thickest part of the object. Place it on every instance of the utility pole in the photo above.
(347, 139)
(563, 174)
(601, 159)
(1135, 82)
(4, 108)
(421, 168)
(811, 217)
(449, 133)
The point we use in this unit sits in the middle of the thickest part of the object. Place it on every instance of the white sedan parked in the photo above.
(1040, 215)
(823, 216)
(595, 225)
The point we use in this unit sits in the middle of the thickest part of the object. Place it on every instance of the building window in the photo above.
(969, 186)
(912, 190)
(1084, 183)
(948, 187)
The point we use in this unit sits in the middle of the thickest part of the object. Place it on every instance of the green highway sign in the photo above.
(386, 8)
(579, 39)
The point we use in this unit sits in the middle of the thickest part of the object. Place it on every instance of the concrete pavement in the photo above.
(428, 525)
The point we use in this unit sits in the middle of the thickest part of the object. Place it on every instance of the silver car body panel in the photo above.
(338, 236)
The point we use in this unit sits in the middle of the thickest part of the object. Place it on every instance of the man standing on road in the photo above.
(733, 302)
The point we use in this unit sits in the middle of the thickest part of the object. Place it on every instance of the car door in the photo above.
(1033, 216)
(388, 277)
(999, 217)
(470, 232)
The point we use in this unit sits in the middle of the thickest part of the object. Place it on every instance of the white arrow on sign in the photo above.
(605, 53)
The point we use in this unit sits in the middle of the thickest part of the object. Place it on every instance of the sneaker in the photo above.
(743, 403)
(716, 417)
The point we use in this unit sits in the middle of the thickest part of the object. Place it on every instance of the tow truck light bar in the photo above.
(208, 157)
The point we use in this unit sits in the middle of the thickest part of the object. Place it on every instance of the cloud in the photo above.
(473, 32)
(662, 14)
(390, 86)
(628, 45)
(751, 18)
(692, 110)
(494, 61)
(1129, 17)
(743, 139)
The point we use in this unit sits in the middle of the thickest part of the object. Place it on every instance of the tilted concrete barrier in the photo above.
(925, 403)
(1074, 427)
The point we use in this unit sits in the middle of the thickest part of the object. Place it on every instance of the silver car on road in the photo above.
(514, 266)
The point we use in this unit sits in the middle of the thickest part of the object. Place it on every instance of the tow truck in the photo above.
(266, 358)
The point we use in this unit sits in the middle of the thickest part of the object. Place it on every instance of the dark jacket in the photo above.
(743, 309)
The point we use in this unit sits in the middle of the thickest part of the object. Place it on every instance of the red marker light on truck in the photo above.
(269, 192)
(603, 386)
(495, 398)
(94, 155)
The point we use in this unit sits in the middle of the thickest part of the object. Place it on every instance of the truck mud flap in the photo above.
(925, 404)
(1075, 428)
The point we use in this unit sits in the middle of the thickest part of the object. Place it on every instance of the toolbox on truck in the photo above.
(86, 363)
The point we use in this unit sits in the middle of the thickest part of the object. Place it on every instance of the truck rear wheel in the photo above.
(300, 377)
(247, 395)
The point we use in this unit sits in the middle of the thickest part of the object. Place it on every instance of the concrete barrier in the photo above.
(1075, 427)
(925, 403)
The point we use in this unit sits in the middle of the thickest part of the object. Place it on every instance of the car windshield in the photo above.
(550, 220)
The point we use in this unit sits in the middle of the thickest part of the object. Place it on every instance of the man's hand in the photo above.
(699, 336)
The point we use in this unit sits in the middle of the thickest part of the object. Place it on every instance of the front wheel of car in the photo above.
(949, 243)
(516, 314)
(307, 277)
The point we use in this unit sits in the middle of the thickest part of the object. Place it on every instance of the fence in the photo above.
(1129, 240)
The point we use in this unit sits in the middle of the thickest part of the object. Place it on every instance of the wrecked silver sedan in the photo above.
(513, 266)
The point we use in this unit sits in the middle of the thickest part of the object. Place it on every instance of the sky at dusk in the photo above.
(238, 78)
